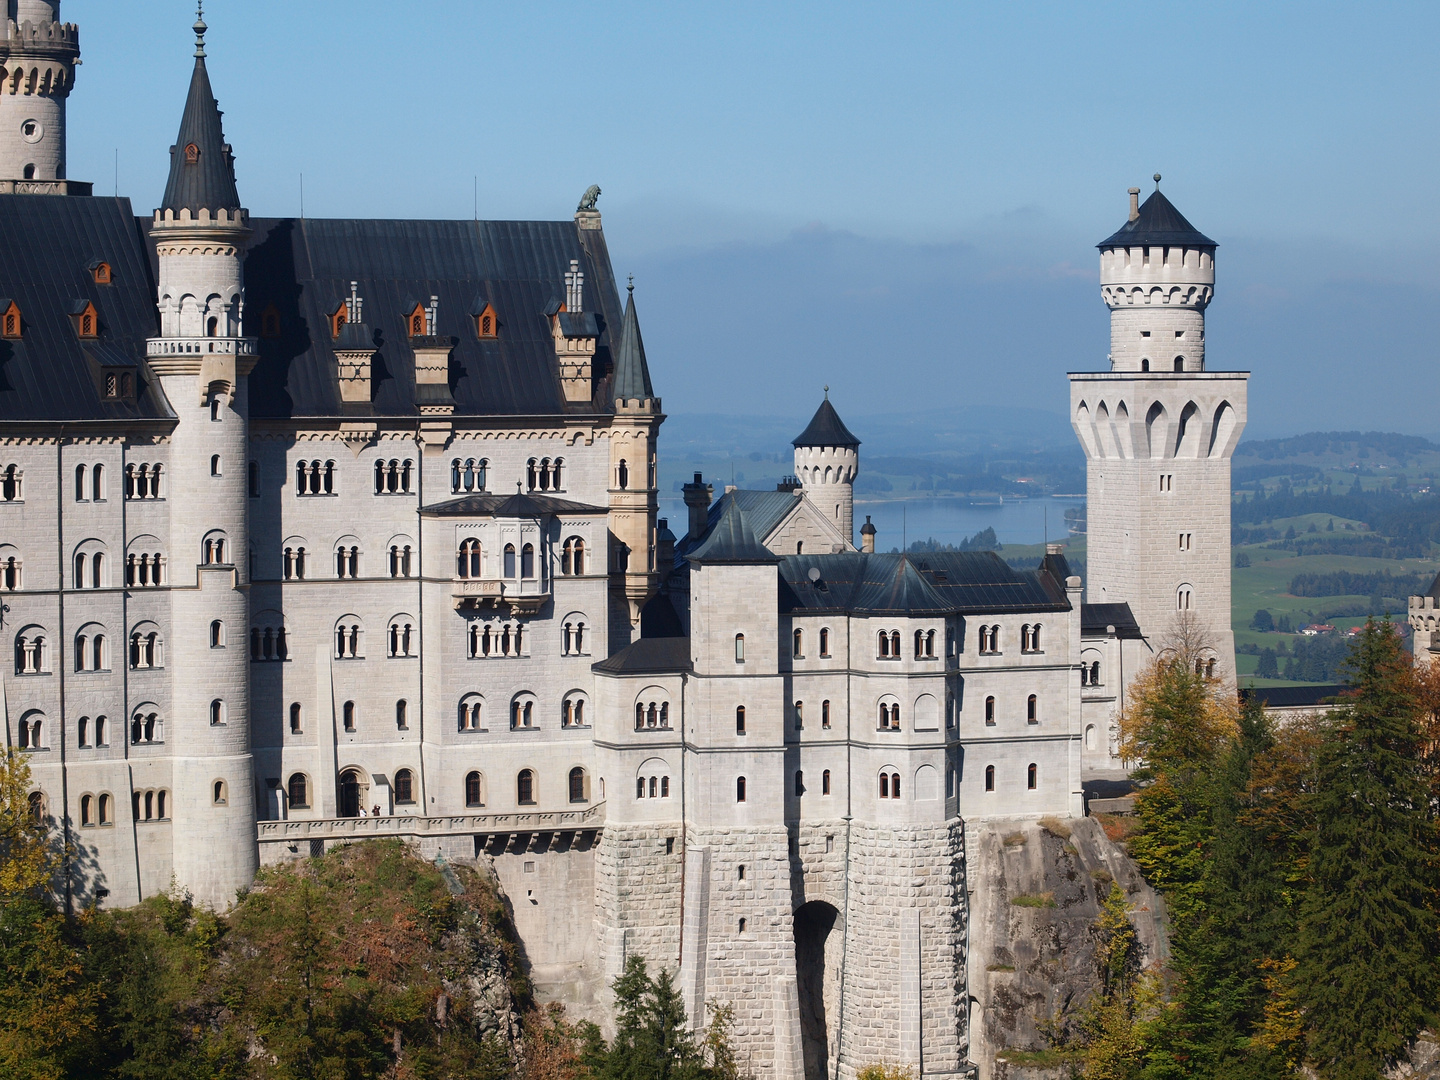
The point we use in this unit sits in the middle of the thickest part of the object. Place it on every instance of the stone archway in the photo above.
(817, 965)
(353, 792)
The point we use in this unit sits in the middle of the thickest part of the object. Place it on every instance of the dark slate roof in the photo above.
(509, 506)
(649, 656)
(967, 582)
(1094, 618)
(632, 375)
(731, 540)
(762, 509)
(1434, 590)
(826, 429)
(304, 267)
(1159, 223)
(1296, 697)
(209, 182)
(49, 243)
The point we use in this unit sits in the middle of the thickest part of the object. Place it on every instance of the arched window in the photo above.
(510, 560)
(467, 559)
(299, 791)
(402, 715)
(347, 560)
(471, 715)
(799, 783)
(349, 638)
(1182, 598)
(799, 643)
(38, 811)
(825, 782)
(347, 715)
(740, 720)
(577, 784)
(219, 793)
(740, 789)
(87, 810)
(82, 489)
(825, 714)
(883, 650)
(402, 639)
(824, 642)
(884, 785)
(105, 810)
(1032, 711)
(404, 786)
(799, 716)
(573, 559)
(527, 561)
(295, 728)
(217, 712)
(1030, 777)
(739, 648)
(474, 789)
(989, 712)
(217, 634)
(989, 777)
(895, 644)
(622, 475)
(82, 731)
(531, 480)
(525, 787)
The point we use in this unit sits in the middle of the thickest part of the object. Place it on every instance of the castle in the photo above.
(319, 530)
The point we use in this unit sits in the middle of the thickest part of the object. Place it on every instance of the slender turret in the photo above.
(202, 361)
(38, 56)
(634, 494)
(827, 460)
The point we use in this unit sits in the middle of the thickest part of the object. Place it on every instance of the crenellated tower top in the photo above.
(1157, 275)
(38, 57)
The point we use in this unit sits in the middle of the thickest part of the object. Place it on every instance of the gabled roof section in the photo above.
(50, 373)
(202, 166)
(732, 541)
(648, 656)
(509, 506)
(1095, 620)
(1433, 591)
(963, 583)
(302, 266)
(632, 374)
(1158, 224)
(826, 429)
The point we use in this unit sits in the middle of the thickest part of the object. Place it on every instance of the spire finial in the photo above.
(1157, 181)
(827, 391)
(631, 286)
(200, 28)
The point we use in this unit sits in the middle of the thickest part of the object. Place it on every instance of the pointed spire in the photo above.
(202, 167)
(632, 375)
(826, 428)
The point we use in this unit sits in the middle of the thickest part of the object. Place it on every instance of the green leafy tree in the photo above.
(1367, 944)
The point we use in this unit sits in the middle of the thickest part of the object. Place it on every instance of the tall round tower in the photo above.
(1157, 274)
(202, 362)
(827, 460)
(37, 70)
(1158, 431)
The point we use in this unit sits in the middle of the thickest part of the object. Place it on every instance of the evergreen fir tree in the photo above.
(1367, 938)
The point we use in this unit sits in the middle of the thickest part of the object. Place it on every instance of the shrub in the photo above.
(1034, 900)
(1056, 827)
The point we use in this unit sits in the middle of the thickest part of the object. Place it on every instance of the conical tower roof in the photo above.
(202, 166)
(632, 374)
(826, 429)
(1158, 223)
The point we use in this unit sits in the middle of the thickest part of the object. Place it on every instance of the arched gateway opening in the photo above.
(817, 975)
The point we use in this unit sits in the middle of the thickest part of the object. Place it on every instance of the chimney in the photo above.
(697, 498)
(867, 536)
(575, 288)
(1134, 203)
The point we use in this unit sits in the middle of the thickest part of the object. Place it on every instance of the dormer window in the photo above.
(486, 325)
(270, 322)
(192, 154)
(85, 318)
(100, 271)
(416, 321)
(338, 318)
(10, 321)
(119, 385)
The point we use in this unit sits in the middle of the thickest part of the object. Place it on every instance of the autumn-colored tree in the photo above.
(47, 1009)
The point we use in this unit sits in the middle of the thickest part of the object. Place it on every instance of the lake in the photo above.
(948, 520)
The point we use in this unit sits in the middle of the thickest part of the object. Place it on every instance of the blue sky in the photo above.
(816, 193)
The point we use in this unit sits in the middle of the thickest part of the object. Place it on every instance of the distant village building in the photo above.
(319, 530)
